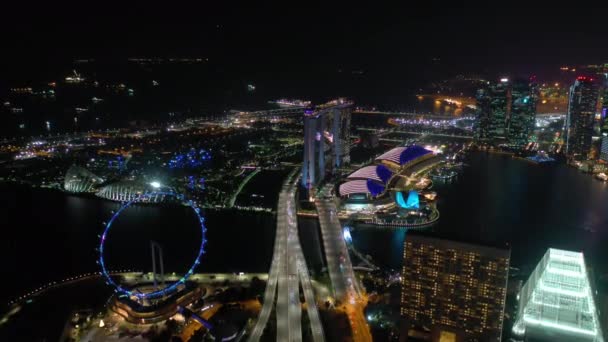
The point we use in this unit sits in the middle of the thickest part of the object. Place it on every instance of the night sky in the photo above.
(285, 42)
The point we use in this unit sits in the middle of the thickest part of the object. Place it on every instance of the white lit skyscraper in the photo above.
(557, 302)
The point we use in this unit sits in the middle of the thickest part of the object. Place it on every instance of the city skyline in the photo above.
(272, 172)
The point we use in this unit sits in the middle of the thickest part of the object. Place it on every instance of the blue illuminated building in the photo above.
(413, 202)
(374, 188)
(402, 156)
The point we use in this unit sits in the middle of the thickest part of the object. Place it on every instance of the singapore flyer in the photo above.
(158, 293)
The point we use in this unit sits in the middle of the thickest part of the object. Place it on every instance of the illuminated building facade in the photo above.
(124, 191)
(557, 302)
(78, 179)
(412, 203)
(506, 112)
(457, 290)
(582, 102)
(522, 117)
(604, 148)
(326, 141)
(492, 104)
(604, 128)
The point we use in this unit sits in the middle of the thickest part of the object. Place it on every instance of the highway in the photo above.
(273, 275)
(241, 186)
(288, 269)
(345, 285)
(338, 261)
(382, 132)
(294, 313)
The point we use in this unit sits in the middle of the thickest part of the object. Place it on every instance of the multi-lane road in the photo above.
(288, 269)
(345, 285)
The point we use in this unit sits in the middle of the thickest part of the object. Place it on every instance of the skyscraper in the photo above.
(557, 302)
(506, 113)
(326, 141)
(604, 117)
(582, 103)
(492, 109)
(522, 116)
(604, 148)
(457, 290)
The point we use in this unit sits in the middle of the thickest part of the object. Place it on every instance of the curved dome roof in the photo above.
(404, 155)
(78, 179)
(361, 186)
(378, 173)
(128, 190)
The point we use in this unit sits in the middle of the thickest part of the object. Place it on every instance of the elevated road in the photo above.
(241, 186)
(345, 285)
(338, 261)
(288, 269)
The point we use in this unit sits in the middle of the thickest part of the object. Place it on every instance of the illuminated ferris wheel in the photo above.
(170, 288)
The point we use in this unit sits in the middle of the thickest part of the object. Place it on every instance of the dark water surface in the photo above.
(500, 200)
(49, 235)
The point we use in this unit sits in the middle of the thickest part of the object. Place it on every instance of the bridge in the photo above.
(241, 186)
(382, 132)
(345, 285)
(287, 271)
(424, 115)
(266, 114)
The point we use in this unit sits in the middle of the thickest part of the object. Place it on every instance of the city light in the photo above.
(346, 233)
(422, 166)
(558, 296)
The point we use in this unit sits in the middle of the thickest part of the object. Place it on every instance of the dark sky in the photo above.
(382, 39)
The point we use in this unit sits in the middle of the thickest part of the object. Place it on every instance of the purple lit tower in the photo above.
(326, 141)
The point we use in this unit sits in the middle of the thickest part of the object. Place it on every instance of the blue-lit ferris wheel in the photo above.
(167, 290)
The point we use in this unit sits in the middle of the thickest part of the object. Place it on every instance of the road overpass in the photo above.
(287, 271)
(345, 285)
(418, 115)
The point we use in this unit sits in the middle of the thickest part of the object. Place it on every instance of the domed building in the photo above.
(125, 191)
(365, 190)
(78, 180)
(404, 156)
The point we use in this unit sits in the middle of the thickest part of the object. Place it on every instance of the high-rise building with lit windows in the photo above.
(492, 107)
(506, 112)
(604, 148)
(604, 118)
(326, 140)
(522, 115)
(557, 302)
(453, 291)
(582, 103)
